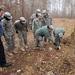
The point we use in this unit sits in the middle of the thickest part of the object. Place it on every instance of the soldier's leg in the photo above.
(24, 34)
(13, 41)
(45, 40)
(20, 38)
(14, 51)
(36, 42)
(8, 45)
(41, 42)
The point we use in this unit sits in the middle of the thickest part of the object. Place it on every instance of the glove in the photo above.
(27, 30)
(58, 48)
(16, 31)
(54, 43)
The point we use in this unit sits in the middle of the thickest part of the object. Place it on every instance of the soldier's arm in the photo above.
(15, 26)
(51, 21)
(57, 42)
(33, 25)
(27, 26)
(4, 25)
(49, 37)
(31, 19)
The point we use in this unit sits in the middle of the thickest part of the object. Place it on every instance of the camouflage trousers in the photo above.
(22, 37)
(10, 43)
(38, 41)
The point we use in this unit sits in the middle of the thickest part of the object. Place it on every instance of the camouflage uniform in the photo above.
(47, 20)
(22, 31)
(36, 25)
(9, 34)
(33, 17)
(56, 33)
(40, 33)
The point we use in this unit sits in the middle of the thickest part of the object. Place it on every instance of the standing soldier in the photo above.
(33, 17)
(21, 28)
(9, 32)
(46, 20)
(58, 34)
(37, 23)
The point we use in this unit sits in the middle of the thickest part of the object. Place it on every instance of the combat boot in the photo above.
(26, 46)
(22, 48)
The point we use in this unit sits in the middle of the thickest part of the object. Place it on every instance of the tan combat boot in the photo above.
(22, 48)
(26, 46)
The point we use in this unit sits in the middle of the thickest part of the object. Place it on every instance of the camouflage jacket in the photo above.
(36, 24)
(46, 20)
(19, 26)
(8, 27)
(32, 18)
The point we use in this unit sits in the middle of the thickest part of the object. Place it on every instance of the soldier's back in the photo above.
(8, 26)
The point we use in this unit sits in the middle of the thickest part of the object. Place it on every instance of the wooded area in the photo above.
(47, 61)
(57, 8)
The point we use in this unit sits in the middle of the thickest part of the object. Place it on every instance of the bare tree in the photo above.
(57, 8)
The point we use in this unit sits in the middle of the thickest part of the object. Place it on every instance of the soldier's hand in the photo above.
(16, 31)
(54, 43)
(58, 48)
(27, 30)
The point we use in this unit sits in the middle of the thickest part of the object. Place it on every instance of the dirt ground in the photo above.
(44, 62)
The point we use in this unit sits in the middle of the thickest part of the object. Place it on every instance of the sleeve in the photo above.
(57, 41)
(33, 24)
(4, 25)
(31, 19)
(51, 21)
(26, 26)
(43, 22)
(15, 25)
(49, 37)
(1, 29)
(13, 28)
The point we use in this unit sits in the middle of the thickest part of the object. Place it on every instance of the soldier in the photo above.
(46, 21)
(21, 28)
(9, 32)
(3, 62)
(33, 17)
(37, 23)
(44, 31)
(58, 34)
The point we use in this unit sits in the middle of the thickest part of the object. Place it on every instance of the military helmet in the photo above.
(60, 35)
(8, 15)
(44, 11)
(23, 20)
(38, 10)
(51, 27)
